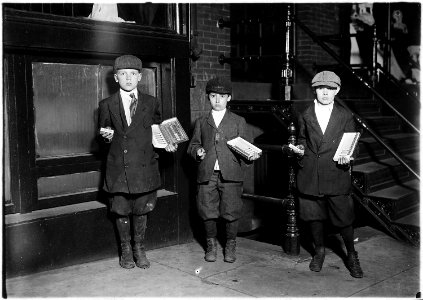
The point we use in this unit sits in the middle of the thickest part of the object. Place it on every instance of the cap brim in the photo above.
(219, 91)
(325, 83)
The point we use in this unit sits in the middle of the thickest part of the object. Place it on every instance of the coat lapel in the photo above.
(333, 121)
(311, 119)
(116, 109)
(140, 113)
(315, 132)
(226, 121)
(210, 120)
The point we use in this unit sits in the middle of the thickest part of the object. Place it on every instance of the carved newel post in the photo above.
(286, 72)
(292, 237)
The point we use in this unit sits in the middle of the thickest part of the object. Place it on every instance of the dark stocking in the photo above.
(211, 228)
(347, 234)
(317, 233)
(231, 230)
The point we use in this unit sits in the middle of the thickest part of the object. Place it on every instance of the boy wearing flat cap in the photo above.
(324, 185)
(132, 169)
(220, 170)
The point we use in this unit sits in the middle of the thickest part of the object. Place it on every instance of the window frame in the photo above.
(26, 168)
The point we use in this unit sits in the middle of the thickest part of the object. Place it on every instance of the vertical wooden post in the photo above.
(374, 60)
(286, 73)
(292, 237)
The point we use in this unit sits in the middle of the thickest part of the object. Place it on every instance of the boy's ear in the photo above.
(229, 98)
(116, 78)
(337, 90)
(139, 76)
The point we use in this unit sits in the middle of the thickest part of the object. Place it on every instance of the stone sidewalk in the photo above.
(391, 269)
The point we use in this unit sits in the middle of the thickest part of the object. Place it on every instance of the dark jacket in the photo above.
(213, 140)
(318, 173)
(132, 164)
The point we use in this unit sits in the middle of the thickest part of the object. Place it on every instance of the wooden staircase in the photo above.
(382, 185)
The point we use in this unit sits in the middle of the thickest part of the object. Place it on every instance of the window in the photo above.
(65, 101)
(66, 98)
(257, 41)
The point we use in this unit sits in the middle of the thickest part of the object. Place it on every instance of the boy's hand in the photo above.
(107, 133)
(201, 153)
(344, 160)
(254, 156)
(299, 149)
(171, 147)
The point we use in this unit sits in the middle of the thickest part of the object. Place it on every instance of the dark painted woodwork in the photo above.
(11, 108)
(24, 121)
(61, 169)
(32, 37)
(182, 109)
(75, 198)
(66, 34)
(61, 240)
(292, 237)
(80, 237)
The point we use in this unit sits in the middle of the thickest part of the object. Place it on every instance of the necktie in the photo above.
(133, 105)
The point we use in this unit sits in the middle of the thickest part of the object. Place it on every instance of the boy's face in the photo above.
(219, 101)
(326, 94)
(128, 78)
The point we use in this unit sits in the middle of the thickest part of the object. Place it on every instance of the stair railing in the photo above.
(379, 139)
(316, 39)
(363, 124)
(395, 82)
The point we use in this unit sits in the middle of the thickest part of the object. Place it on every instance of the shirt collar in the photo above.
(319, 106)
(127, 94)
(218, 112)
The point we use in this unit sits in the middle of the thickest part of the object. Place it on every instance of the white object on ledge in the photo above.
(105, 12)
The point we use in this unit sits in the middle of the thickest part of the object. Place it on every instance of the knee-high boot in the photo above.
(140, 225)
(211, 232)
(124, 229)
(317, 232)
(230, 248)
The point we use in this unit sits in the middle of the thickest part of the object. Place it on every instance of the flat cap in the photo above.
(128, 62)
(327, 78)
(219, 85)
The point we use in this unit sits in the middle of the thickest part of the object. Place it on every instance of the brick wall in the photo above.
(213, 41)
(321, 18)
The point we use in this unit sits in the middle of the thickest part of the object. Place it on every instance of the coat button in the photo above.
(125, 151)
(125, 166)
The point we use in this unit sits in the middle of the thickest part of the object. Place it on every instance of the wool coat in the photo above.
(132, 163)
(318, 174)
(213, 139)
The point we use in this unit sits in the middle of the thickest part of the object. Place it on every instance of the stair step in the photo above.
(370, 156)
(401, 199)
(399, 142)
(412, 219)
(413, 159)
(362, 106)
(410, 156)
(381, 178)
(375, 175)
(378, 123)
(383, 131)
(397, 191)
(368, 113)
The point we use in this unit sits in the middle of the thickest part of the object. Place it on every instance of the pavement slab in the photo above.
(391, 269)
